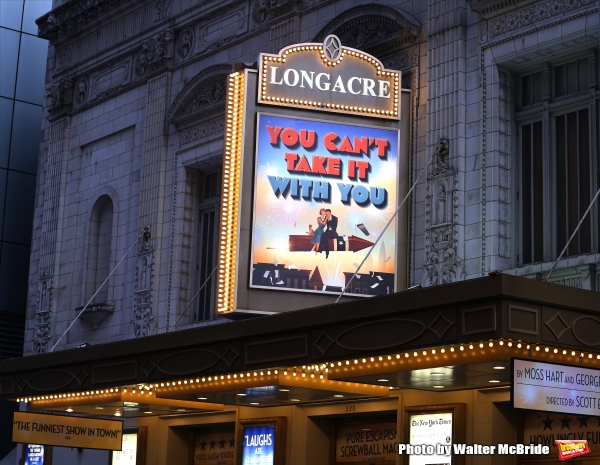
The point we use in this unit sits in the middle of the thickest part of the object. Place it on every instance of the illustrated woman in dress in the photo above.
(316, 239)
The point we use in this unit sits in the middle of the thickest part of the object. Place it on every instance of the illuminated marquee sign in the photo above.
(262, 441)
(58, 430)
(310, 175)
(551, 387)
(295, 185)
(329, 77)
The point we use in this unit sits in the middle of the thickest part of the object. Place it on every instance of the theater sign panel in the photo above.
(313, 172)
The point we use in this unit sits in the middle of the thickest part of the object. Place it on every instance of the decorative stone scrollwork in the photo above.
(163, 10)
(63, 58)
(59, 97)
(154, 53)
(143, 321)
(80, 92)
(201, 131)
(184, 44)
(267, 10)
(398, 61)
(41, 332)
(442, 264)
(145, 239)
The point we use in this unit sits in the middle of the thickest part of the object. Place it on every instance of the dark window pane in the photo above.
(9, 50)
(526, 189)
(14, 271)
(572, 184)
(538, 193)
(526, 97)
(560, 80)
(20, 195)
(25, 143)
(33, 10)
(585, 239)
(2, 197)
(536, 84)
(6, 109)
(207, 247)
(11, 12)
(584, 73)
(32, 69)
(561, 184)
(572, 78)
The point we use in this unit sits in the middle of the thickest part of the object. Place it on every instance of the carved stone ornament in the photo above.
(145, 239)
(372, 28)
(442, 264)
(184, 44)
(154, 54)
(80, 91)
(399, 61)
(201, 131)
(201, 99)
(264, 11)
(59, 97)
(143, 322)
(41, 331)
(94, 314)
(163, 10)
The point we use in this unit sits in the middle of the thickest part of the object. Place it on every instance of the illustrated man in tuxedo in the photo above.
(330, 232)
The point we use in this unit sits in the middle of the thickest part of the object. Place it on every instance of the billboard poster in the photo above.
(34, 454)
(258, 447)
(324, 191)
(431, 429)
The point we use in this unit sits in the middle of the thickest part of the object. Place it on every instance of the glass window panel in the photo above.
(560, 80)
(2, 197)
(585, 239)
(9, 53)
(526, 156)
(11, 12)
(25, 142)
(14, 271)
(584, 73)
(31, 75)
(20, 197)
(33, 10)
(538, 193)
(572, 184)
(572, 78)
(6, 110)
(526, 97)
(561, 184)
(536, 84)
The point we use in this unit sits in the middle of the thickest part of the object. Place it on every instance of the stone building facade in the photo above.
(504, 119)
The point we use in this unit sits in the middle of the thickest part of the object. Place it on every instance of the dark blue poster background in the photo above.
(258, 447)
(34, 454)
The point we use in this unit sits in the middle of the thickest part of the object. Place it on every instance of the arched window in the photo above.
(99, 255)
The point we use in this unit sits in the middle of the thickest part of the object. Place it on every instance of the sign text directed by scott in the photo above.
(555, 388)
(58, 430)
(324, 191)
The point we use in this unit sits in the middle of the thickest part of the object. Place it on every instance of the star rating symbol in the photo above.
(203, 445)
(222, 443)
(212, 444)
(565, 423)
(583, 421)
(547, 423)
(231, 443)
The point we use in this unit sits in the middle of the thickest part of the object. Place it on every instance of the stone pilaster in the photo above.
(446, 121)
(55, 165)
(152, 206)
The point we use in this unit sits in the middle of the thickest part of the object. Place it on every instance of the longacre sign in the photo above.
(329, 77)
(58, 430)
(550, 387)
